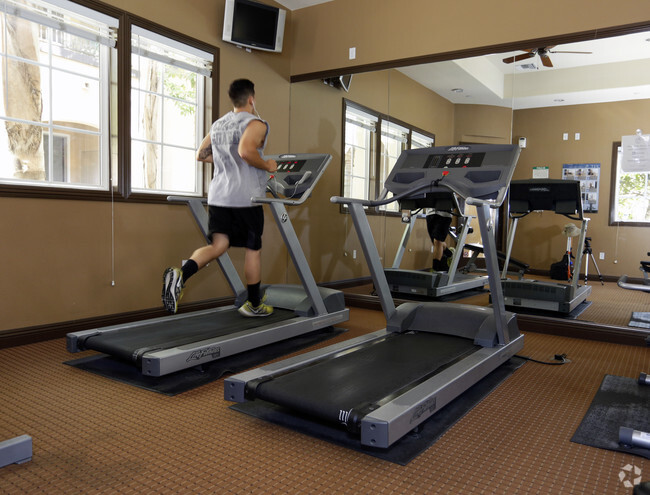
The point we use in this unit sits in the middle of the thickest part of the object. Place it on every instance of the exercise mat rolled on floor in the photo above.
(620, 401)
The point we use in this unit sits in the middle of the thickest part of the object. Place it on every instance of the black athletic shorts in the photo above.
(243, 226)
(438, 227)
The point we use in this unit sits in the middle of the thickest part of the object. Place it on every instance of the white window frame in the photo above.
(88, 24)
(200, 63)
(615, 194)
(375, 174)
(368, 122)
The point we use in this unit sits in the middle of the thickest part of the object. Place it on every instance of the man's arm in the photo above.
(251, 140)
(204, 153)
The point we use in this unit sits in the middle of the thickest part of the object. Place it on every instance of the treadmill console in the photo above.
(477, 171)
(297, 173)
(559, 195)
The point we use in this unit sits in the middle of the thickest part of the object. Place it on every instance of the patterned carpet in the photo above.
(92, 435)
(611, 305)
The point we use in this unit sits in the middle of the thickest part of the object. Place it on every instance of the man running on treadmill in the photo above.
(234, 145)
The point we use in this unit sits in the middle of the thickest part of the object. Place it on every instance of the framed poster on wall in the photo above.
(589, 176)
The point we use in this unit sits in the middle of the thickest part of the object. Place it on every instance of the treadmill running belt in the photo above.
(131, 343)
(364, 376)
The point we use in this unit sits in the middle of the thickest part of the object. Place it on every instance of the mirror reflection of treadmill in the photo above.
(437, 283)
(382, 385)
(562, 197)
(160, 346)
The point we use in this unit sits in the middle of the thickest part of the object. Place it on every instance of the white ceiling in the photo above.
(617, 69)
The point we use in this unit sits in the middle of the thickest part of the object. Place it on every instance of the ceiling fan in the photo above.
(543, 53)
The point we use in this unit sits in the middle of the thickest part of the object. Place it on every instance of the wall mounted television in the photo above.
(254, 25)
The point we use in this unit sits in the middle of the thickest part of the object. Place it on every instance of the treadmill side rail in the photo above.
(390, 422)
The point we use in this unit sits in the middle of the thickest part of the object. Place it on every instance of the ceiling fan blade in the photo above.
(584, 53)
(530, 52)
(517, 58)
(546, 60)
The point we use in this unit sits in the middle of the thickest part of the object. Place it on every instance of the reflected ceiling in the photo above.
(615, 69)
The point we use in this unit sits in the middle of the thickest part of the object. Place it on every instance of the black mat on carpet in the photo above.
(408, 447)
(620, 401)
(577, 311)
(188, 379)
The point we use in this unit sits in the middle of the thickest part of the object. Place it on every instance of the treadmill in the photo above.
(562, 197)
(382, 385)
(160, 346)
(433, 283)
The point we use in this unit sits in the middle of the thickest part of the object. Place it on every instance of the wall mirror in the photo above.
(580, 95)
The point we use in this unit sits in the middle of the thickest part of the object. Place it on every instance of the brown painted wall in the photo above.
(58, 255)
(385, 30)
(316, 125)
(539, 240)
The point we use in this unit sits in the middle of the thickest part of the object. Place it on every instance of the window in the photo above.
(167, 103)
(630, 195)
(54, 82)
(369, 158)
(359, 160)
(85, 116)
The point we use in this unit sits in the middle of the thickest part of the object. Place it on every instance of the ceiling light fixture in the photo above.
(457, 90)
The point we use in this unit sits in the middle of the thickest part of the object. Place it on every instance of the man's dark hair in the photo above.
(239, 91)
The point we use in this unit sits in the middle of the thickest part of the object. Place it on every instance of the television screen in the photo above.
(255, 25)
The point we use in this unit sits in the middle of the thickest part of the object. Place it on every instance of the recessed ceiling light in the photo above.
(457, 90)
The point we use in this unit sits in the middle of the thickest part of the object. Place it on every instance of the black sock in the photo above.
(254, 294)
(189, 268)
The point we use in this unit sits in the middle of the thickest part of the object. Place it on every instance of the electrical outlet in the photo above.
(353, 52)
(601, 256)
(354, 254)
(565, 136)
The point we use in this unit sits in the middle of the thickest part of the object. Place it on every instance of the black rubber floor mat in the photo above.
(620, 401)
(188, 379)
(408, 447)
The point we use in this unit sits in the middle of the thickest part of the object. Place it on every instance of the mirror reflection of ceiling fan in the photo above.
(543, 55)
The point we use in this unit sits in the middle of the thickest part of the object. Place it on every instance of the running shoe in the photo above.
(247, 309)
(172, 290)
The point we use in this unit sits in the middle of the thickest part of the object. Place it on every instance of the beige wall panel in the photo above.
(60, 256)
(59, 252)
(539, 240)
(387, 30)
(316, 126)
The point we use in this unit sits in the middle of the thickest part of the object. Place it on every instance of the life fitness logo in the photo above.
(630, 476)
(458, 148)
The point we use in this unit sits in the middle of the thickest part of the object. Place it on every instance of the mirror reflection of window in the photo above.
(631, 195)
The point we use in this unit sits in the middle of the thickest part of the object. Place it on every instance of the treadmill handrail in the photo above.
(492, 203)
(303, 197)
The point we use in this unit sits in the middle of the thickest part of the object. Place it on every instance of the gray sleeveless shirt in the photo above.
(234, 182)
